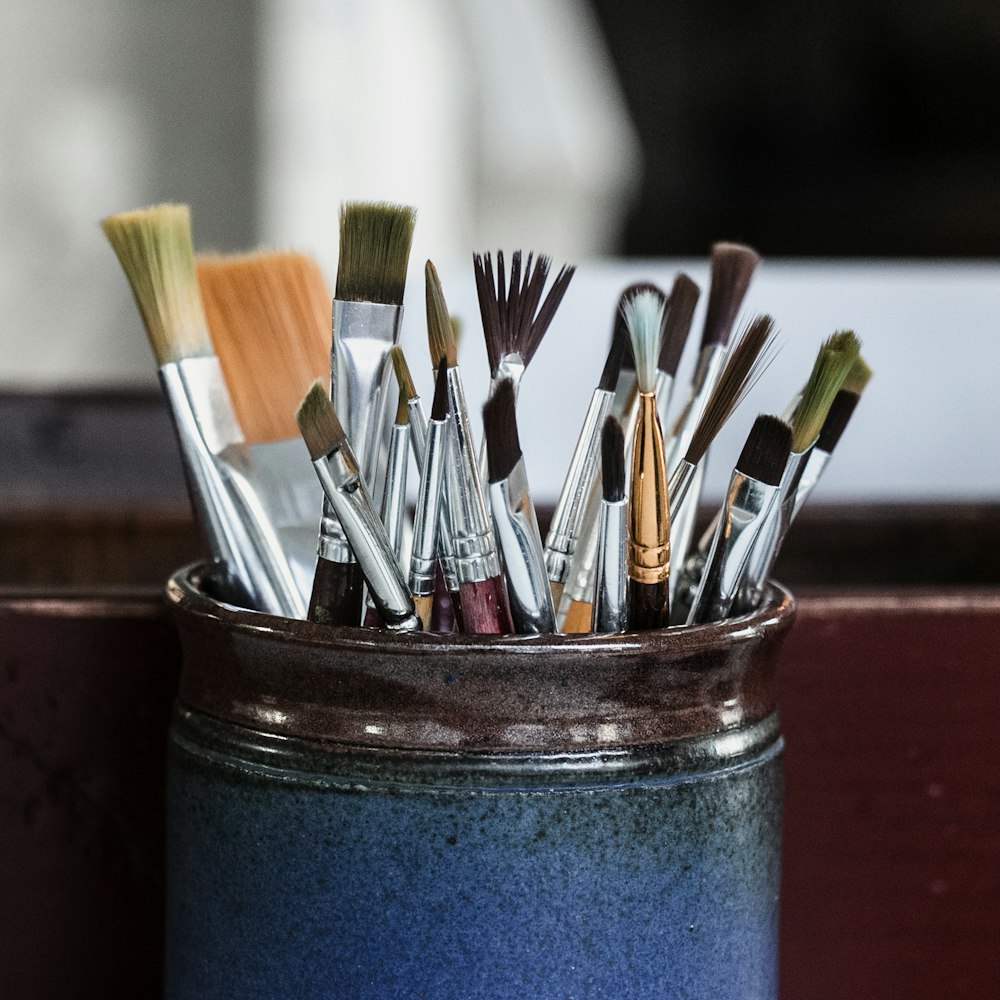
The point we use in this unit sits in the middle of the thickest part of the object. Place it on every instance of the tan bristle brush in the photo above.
(228, 492)
(269, 316)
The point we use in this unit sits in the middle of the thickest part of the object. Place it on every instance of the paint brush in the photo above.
(515, 319)
(418, 435)
(427, 521)
(611, 592)
(268, 314)
(834, 361)
(754, 490)
(648, 509)
(514, 517)
(483, 597)
(568, 517)
(732, 268)
(681, 304)
(344, 487)
(375, 239)
(155, 250)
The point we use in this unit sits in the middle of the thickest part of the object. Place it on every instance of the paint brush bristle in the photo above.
(766, 451)
(643, 315)
(402, 372)
(677, 322)
(513, 321)
(835, 359)
(612, 461)
(440, 333)
(375, 241)
(747, 361)
(613, 362)
(858, 377)
(269, 316)
(733, 266)
(503, 447)
(155, 251)
(619, 329)
(318, 422)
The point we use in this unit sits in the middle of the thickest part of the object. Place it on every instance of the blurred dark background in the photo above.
(854, 129)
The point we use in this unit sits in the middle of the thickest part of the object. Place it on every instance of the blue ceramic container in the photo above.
(359, 815)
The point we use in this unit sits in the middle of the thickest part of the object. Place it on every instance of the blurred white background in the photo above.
(505, 126)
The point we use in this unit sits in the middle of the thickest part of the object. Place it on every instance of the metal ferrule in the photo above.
(345, 489)
(747, 508)
(649, 517)
(426, 524)
(765, 550)
(393, 507)
(711, 361)
(224, 487)
(611, 592)
(524, 564)
(476, 556)
(813, 469)
(685, 494)
(564, 532)
(664, 391)
(418, 435)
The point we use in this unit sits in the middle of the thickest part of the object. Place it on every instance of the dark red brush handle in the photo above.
(485, 610)
(337, 594)
(446, 613)
(648, 605)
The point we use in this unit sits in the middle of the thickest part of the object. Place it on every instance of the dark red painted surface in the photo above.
(485, 609)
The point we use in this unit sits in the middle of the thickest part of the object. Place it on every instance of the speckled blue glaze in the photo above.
(304, 868)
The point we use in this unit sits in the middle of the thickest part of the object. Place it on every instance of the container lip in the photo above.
(184, 591)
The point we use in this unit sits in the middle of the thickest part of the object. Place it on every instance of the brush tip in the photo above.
(766, 451)
(402, 372)
(858, 377)
(439, 405)
(733, 266)
(375, 241)
(503, 449)
(440, 333)
(612, 461)
(614, 361)
(317, 420)
(837, 418)
(683, 299)
(835, 359)
(643, 315)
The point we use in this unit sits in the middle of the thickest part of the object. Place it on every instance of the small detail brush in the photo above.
(375, 239)
(155, 250)
(344, 487)
(611, 592)
(567, 520)
(648, 514)
(483, 597)
(754, 490)
(676, 326)
(426, 523)
(268, 314)
(514, 517)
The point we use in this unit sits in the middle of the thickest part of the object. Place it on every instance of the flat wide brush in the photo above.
(269, 316)
(514, 518)
(155, 250)
(344, 487)
(375, 240)
(483, 597)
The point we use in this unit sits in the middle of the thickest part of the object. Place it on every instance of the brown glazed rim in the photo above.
(365, 688)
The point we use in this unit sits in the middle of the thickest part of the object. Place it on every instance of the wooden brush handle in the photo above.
(337, 594)
(485, 610)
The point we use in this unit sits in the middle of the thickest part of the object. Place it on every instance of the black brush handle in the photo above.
(648, 605)
(337, 594)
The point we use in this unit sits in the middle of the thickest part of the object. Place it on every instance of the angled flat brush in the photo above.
(514, 518)
(344, 487)
(611, 591)
(154, 248)
(483, 597)
(268, 314)
(375, 239)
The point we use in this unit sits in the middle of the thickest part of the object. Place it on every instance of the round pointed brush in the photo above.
(611, 590)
